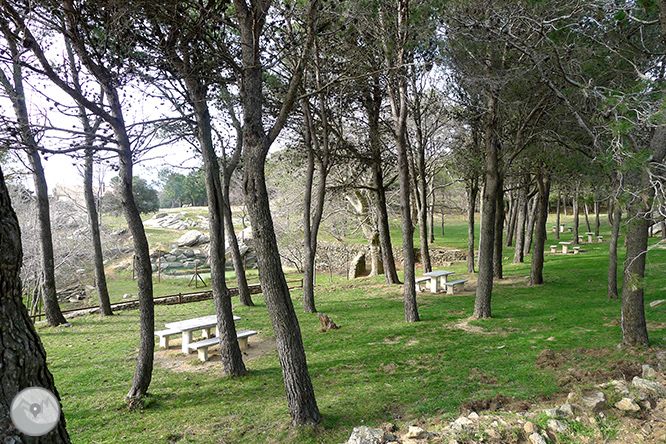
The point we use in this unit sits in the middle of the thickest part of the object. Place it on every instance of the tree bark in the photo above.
(93, 220)
(22, 355)
(395, 60)
(521, 218)
(500, 217)
(472, 193)
(491, 188)
(557, 223)
(531, 220)
(372, 103)
(616, 220)
(536, 269)
(298, 386)
(634, 328)
(231, 356)
(576, 214)
(89, 195)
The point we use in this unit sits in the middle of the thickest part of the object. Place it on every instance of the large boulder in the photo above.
(192, 238)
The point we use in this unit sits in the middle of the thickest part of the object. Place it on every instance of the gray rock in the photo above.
(566, 410)
(189, 252)
(553, 413)
(192, 238)
(627, 405)
(160, 215)
(415, 433)
(366, 435)
(557, 426)
(650, 387)
(535, 438)
(594, 401)
(649, 372)
(462, 424)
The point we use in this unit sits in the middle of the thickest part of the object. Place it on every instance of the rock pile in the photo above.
(615, 412)
(177, 221)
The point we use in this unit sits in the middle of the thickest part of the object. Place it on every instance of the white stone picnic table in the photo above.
(204, 323)
(589, 236)
(435, 277)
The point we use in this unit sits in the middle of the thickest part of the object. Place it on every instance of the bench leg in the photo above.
(242, 343)
(187, 339)
(434, 285)
(449, 289)
(205, 333)
(164, 341)
(203, 354)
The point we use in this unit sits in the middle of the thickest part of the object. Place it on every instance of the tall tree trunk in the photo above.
(531, 220)
(14, 89)
(431, 216)
(22, 355)
(634, 328)
(472, 193)
(231, 356)
(576, 214)
(93, 221)
(91, 206)
(421, 182)
(587, 217)
(616, 219)
(312, 220)
(500, 216)
(51, 307)
(511, 223)
(298, 385)
(597, 221)
(395, 62)
(372, 103)
(557, 223)
(536, 269)
(491, 188)
(521, 218)
(228, 168)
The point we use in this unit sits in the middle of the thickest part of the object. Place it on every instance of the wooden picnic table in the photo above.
(435, 277)
(204, 323)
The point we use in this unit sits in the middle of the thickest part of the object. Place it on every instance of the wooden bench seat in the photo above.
(420, 281)
(164, 336)
(202, 346)
(451, 284)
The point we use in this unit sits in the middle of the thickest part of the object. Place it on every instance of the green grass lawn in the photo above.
(375, 368)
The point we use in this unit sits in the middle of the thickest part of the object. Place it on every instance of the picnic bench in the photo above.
(600, 238)
(202, 346)
(419, 282)
(451, 284)
(553, 248)
(186, 328)
(576, 250)
(565, 247)
(435, 277)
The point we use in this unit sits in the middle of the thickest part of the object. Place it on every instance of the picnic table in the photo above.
(186, 327)
(589, 236)
(435, 277)
(565, 247)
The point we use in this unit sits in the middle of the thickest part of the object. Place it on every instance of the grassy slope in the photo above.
(375, 368)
